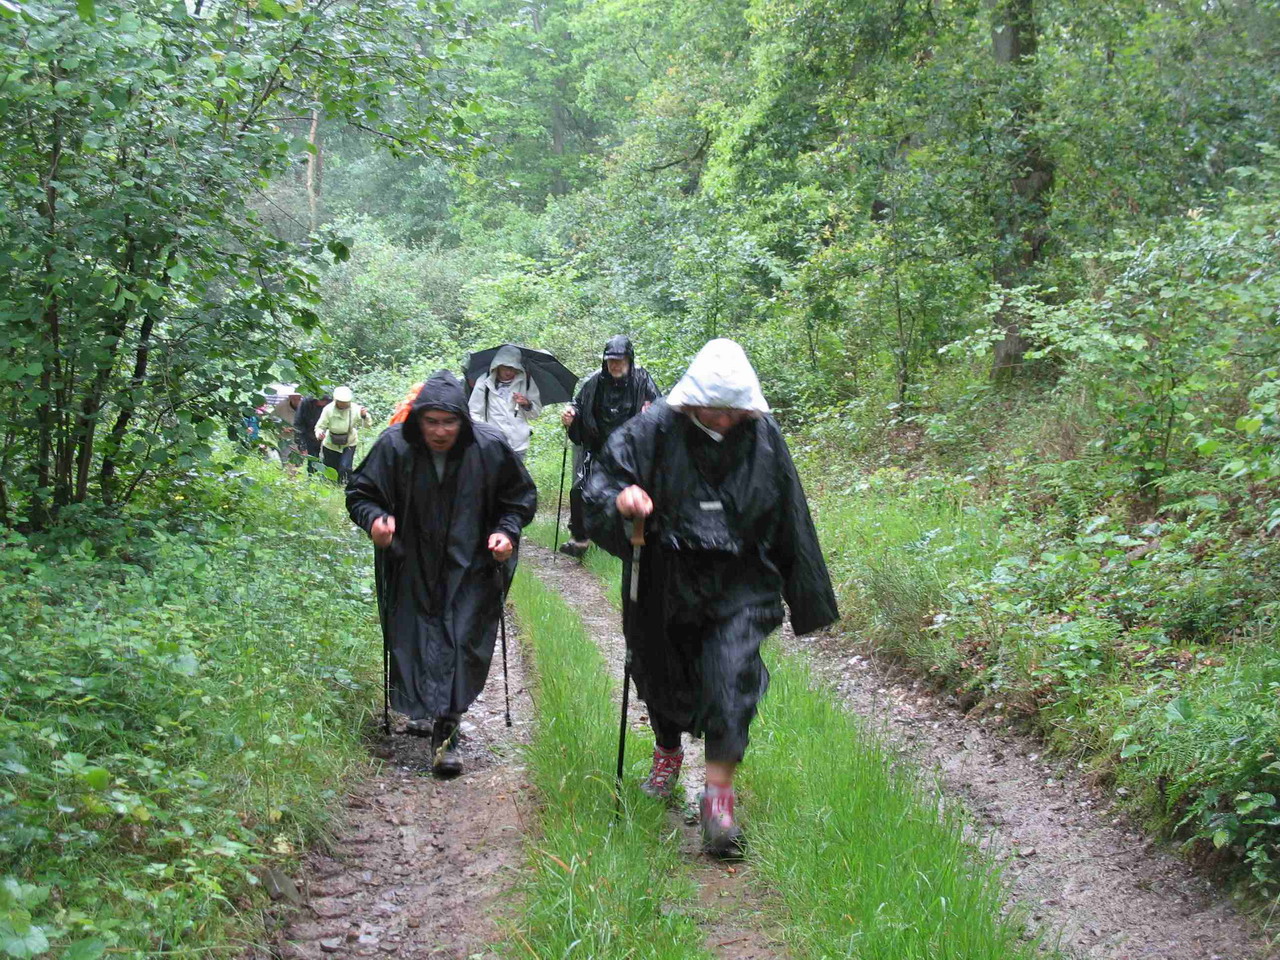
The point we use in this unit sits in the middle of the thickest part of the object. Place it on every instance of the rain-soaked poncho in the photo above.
(439, 590)
(494, 402)
(604, 402)
(730, 536)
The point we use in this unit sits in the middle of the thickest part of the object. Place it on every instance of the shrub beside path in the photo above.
(1075, 863)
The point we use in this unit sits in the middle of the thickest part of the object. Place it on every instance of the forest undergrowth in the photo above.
(185, 690)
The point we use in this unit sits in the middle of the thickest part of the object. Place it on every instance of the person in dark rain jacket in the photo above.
(607, 399)
(444, 501)
(728, 536)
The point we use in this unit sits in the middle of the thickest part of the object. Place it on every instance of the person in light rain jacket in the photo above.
(728, 536)
(607, 399)
(508, 398)
(444, 501)
(338, 429)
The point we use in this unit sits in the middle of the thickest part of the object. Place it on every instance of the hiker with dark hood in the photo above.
(728, 536)
(606, 400)
(444, 500)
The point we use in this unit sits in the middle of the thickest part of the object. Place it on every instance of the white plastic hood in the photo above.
(507, 356)
(720, 376)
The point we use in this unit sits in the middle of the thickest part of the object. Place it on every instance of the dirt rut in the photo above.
(730, 900)
(1075, 863)
(420, 866)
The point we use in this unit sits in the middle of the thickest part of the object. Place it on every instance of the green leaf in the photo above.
(22, 939)
(85, 950)
(86, 10)
(97, 778)
(1221, 838)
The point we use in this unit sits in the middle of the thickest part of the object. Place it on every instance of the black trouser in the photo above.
(720, 665)
(340, 460)
(577, 522)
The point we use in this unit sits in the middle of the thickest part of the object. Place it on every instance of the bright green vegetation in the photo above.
(602, 885)
(865, 863)
(184, 694)
(1149, 657)
(868, 861)
(1008, 271)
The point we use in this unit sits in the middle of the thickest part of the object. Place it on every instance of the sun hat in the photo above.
(343, 394)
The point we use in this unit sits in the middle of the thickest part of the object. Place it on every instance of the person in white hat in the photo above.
(338, 429)
(728, 536)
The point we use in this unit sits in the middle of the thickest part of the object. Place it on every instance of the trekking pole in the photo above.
(564, 457)
(386, 686)
(633, 595)
(502, 626)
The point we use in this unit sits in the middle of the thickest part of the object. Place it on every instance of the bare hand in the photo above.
(567, 417)
(647, 404)
(383, 529)
(522, 400)
(633, 502)
(500, 546)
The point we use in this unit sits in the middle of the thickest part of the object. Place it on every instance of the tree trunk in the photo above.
(314, 161)
(1022, 213)
(127, 408)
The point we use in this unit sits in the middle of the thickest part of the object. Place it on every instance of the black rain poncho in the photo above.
(604, 404)
(730, 536)
(439, 594)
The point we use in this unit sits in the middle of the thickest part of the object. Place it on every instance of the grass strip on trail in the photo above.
(600, 886)
(867, 858)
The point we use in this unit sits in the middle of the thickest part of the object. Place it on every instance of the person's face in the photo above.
(506, 374)
(342, 404)
(719, 419)
(440, 429)
(617, 366)
(294, 400)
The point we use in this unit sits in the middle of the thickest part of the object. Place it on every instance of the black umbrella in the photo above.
(555, 381)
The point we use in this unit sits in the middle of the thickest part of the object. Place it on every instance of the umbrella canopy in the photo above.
(555, 381)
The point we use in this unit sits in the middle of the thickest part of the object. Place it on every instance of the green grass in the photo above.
(868, 861)
(185, 690)
(600, 885)
(864, 862)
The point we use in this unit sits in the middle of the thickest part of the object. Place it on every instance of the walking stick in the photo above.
(502, 626)
(633, 595)
(564, 457)
(386, 686)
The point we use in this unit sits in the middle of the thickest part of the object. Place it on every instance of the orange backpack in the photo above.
(401, 413)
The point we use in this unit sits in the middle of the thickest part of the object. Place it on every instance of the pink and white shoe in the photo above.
(664, 773)
(721, 835)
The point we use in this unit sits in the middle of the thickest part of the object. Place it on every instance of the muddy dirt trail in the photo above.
(1075, 863)
(420, 866)
(729, 898)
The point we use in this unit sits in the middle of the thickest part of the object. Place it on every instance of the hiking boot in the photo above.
(575, 548)
(419, 728)
(446, 761)
(664, 773)
(721, 835)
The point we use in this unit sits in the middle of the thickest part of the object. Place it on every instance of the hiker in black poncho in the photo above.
(728, 535)
(607, 399)
(444, 501)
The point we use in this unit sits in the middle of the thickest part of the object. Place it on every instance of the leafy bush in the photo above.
(182, 697)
